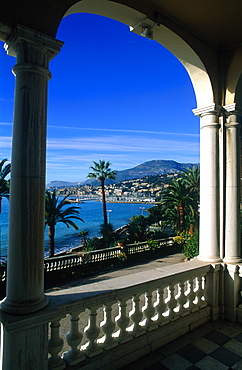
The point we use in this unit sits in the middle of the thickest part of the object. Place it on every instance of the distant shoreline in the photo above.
(126, 202)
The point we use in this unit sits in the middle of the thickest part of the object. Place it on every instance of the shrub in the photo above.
(179, 239)
(191, 245)
(153, 244)
(122, 256)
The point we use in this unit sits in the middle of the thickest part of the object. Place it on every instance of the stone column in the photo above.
(25, 280)
(209, 183)
(232, 202)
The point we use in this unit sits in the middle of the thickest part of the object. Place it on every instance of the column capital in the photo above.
(37, 40)
(233, 109)
(213, 109)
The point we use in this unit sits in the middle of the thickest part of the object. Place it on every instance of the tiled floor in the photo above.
(214, 346)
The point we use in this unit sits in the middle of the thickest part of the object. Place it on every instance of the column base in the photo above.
(25, 308)
(211, 259)
(232, 260)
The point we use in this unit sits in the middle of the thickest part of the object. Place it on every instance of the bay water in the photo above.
(119, 214)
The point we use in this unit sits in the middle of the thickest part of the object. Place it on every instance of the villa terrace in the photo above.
(126, 318)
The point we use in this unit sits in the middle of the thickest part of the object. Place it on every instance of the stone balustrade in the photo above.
(110, 323)
(71, 260)
(150, 308)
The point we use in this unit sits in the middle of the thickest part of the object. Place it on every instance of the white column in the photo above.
(25, 278)
(232, 202)
(209, 183)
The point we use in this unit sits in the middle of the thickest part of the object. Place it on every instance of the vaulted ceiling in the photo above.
(215, 22)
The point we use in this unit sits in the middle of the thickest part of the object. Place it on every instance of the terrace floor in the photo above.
(214, 346)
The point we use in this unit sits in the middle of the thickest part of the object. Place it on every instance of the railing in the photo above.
(80, 258)
(104, 315)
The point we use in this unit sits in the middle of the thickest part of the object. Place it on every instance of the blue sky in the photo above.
(113, 96)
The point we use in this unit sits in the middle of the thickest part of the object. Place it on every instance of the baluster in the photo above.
(55, 345)
(191, 295)
(171, 303)
(160, 307)
(108, 326)
(74, 355)
(200, 292)
(149, 312)
(92, 331)
(122, 321)
(136, 316)
(182, 299)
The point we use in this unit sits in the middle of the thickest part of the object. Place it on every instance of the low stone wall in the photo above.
(63, 268)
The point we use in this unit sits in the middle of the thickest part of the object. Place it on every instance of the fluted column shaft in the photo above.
(209, 183)
(232, 202)
(25, 282)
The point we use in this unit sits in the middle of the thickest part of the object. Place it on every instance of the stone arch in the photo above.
(233, 92)
(193, 64)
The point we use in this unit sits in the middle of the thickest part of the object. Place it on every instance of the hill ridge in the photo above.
(148, 168)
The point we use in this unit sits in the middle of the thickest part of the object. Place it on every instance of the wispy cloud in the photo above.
(125, 131)
(5, 142)
(6, 123)
(117, 144)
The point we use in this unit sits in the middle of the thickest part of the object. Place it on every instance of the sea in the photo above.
(119, 214)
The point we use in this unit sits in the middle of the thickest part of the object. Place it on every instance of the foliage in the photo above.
(56, 211)
(137, 229)
(153, 244)
(155, 214)
(94, 243)
(191, 244)
(102, 171)
(84, 235)
(177, 204)
(122, 256)
(191, 176)
(157, 234)
(178, 239)
(108, 235)
(5, 170)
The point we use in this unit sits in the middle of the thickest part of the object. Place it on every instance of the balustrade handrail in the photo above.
(87, 319)
(78, 298)
(79, 258)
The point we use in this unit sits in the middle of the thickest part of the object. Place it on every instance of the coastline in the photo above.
(91, 212)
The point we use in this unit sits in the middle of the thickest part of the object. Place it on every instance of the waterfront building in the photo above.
(207, 39)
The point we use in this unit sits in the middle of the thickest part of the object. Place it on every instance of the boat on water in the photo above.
(76, 200)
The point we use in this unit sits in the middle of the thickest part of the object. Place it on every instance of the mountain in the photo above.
(150, 168)
(61, 184)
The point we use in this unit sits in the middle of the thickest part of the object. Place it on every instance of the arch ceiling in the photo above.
(201, 34)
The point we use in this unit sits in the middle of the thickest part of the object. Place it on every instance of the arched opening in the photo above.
(122, 87)
(125, 99)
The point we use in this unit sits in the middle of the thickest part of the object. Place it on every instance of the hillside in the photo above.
(150, 168)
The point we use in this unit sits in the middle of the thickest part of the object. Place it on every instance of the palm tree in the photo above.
(177, 203)
(191, 177)
(55, 211)
(4, 184)
(84, 234)
(101, 172)
(137, 228)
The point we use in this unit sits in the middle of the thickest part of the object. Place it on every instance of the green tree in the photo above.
(5, 170)
(101, 171)
(137, 228)
(108, 235)
(177, 203)
(84, 235)
(56, 210)
(191, 177)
